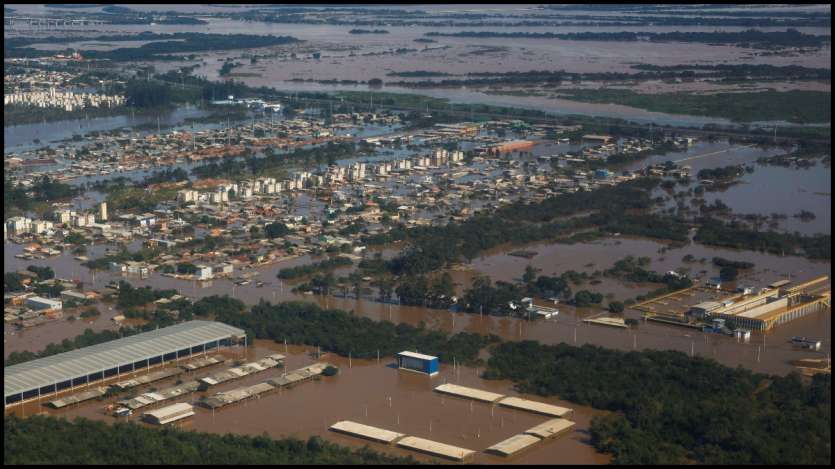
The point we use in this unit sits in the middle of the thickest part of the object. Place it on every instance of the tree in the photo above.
(585, 298)
(12, 281)
(616, 307)
(186, 268)
(276, 230)
(356, 280)
(43, 273)
(530, 275)
(728, 273)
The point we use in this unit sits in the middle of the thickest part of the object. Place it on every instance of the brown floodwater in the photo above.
(347, 56)
(374, 393)
(775, 357)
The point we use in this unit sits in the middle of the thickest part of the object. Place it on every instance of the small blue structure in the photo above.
(602, 173)
(418, 362)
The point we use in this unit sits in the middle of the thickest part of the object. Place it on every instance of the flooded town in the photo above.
(522, 234)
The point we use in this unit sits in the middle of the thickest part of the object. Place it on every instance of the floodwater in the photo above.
(790, 190)
(374, 393)
(360, 57)
(347, 56)
(551, 258)
(275, 72)
(22, 137)
(566, 328)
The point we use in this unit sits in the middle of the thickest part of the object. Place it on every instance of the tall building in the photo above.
(103, 211)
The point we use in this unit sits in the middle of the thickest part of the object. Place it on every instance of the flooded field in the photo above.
(790, 190)
(373, 393)
(347, 56)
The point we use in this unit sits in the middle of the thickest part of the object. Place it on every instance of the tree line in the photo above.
(748, 38)
(303, 270)
(49, 440)
(668, 408)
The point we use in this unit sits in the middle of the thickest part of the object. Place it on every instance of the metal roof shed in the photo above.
(101, 361)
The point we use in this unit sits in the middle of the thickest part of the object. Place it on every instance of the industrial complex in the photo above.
(50, 375)
(740, 311)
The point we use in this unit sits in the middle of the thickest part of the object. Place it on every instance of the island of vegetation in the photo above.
(750, 38)
(792, 106)
(160, 48)
(368, 31)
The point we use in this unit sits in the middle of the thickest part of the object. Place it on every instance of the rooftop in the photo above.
(550, 428)
(419, 356)
(365, 431)
(471, 393)
(533, 406)
(435, 448)
(514, 444)
(88, 360)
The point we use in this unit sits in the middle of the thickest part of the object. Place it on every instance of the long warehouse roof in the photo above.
(88, 360)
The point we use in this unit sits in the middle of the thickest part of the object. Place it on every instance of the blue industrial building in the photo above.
(419, 362)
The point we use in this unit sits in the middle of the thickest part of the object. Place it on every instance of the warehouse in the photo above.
(468, 393)
(63, 371)
(36, 302)
(169, 414)
(513, 445)
(435, 448)
(365, 431)
(535, 407)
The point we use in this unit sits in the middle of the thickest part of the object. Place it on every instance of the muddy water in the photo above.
(790, 190)
(20, 138)
(57, 330)
(361, 393)
(360, 57)
(566, 328)
(602, 254)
